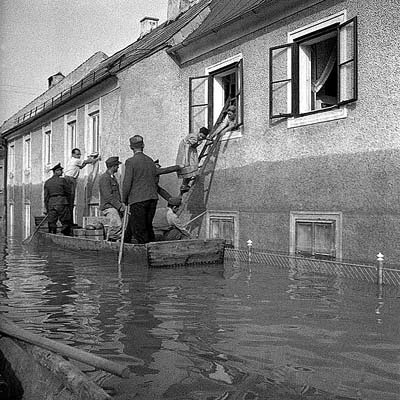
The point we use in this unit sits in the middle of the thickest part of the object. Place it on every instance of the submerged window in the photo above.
(208, 94)
(316, 71)
(316, 235)
(224, 225)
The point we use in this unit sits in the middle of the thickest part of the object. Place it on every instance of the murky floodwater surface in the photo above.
(236, 331)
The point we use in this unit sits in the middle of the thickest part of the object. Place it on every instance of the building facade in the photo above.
(311, 167)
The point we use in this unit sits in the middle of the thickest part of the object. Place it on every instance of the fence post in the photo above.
(380, 258)
(249, 246)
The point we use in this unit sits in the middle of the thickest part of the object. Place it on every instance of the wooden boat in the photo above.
(156, 254)
(33, 368)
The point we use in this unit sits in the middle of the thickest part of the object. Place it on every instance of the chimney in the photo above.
(54, 79)
(147, 24)
(175, 7)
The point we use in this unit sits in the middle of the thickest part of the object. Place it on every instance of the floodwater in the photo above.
(236, 331)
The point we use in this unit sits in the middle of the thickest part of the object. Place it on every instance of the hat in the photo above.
(112, 161)
(204, 130)
(58, 166)
(136, 141)
(174, 201)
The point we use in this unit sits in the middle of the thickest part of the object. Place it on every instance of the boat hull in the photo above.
(156, 254)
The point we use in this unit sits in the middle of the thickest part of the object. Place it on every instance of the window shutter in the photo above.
(347, 61)
(280, 81)
(200, 102)
(239, 93)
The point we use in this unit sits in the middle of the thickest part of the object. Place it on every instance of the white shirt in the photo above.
(73, 167)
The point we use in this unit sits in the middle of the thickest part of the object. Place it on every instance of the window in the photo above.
(11, 219)
(316, 235)
(71, 137)
(27, 153)
(224, 225)
(94, 132)
(11, 160)
(316, 72)
(47, 148)
(208, 94)
(1, 176)
(27, 227)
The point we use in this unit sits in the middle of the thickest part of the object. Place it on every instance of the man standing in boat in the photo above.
(56, 201)
(72, 171)
(111, 204)
(168, 223)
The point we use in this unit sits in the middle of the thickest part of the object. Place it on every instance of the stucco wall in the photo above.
(151, 105)
(349, 165)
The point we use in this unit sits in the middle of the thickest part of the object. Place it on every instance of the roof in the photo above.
(145, 46)
(224, 12)
(221, 12)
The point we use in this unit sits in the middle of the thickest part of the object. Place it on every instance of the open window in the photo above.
(209, 93)
(316, 71)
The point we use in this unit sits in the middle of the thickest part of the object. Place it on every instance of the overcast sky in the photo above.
(39, 38)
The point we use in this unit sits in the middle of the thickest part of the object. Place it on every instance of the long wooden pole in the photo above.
(28, 239)
(193, 219)
(9, 328)
(121, 247)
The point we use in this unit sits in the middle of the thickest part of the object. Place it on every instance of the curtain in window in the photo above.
(320, 82)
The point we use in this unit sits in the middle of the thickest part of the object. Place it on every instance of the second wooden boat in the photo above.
(156, 254)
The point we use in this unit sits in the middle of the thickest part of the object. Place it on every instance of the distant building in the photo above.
(313, 165)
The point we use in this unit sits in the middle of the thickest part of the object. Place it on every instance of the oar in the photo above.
(121, 246)
(29, 238)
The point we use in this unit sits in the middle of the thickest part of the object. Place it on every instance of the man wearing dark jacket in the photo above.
(56, 201)
(140, 192)
(111, 204)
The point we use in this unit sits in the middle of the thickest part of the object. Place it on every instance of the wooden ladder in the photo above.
(207, 152)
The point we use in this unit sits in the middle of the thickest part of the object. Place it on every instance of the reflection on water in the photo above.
(212, 332)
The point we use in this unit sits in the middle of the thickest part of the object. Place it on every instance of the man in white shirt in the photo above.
(72, 170)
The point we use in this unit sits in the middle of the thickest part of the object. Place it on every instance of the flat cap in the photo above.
(112, 161)
(174, 201)
(136, 140)
(58, 166)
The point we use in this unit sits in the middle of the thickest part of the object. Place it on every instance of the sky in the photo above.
(39, 38)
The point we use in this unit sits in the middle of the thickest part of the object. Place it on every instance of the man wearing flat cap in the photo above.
(139, 192)
(111, 204)
(167, 222)
(56, 202)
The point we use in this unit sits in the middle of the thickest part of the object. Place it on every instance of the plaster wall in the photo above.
(151, 105)
(349, 165)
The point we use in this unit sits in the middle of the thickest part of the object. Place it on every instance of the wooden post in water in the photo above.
(380, 258)
(249, 246)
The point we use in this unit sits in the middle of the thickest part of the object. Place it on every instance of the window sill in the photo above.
(236, 134)
(316, 118)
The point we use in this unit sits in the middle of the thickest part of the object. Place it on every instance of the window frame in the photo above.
(335, 217)
(296, 61)
(27, 154)
(213, 96)
(234, 215)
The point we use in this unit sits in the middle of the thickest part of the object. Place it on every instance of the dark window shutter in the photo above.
(347, 62)
(280, 84)
(200, 110)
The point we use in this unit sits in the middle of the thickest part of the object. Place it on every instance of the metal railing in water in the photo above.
(380, 273)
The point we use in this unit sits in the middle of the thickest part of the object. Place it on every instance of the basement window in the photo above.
(316, 235)
(224, 225)
(314, 75)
